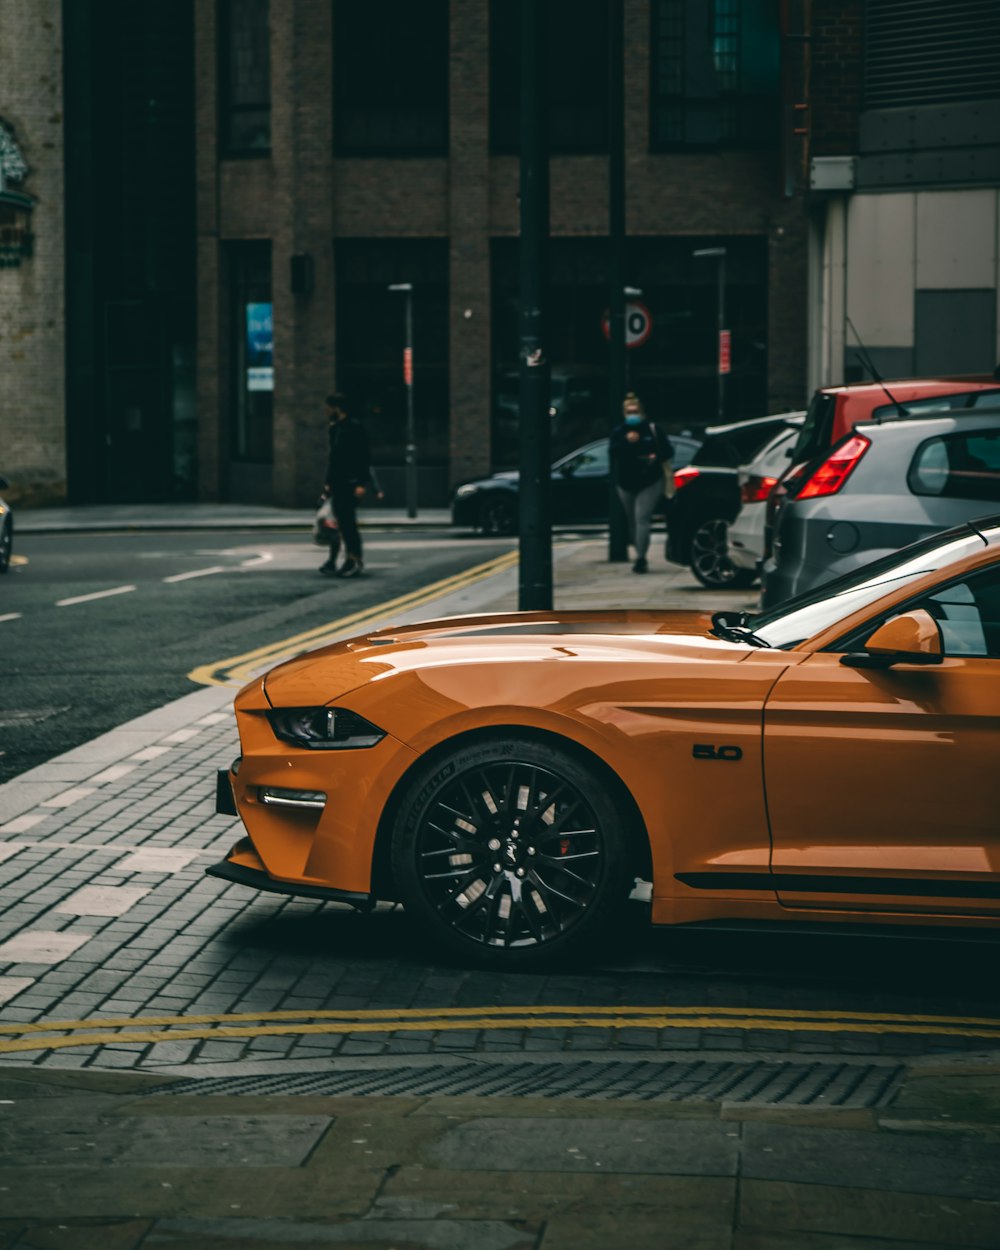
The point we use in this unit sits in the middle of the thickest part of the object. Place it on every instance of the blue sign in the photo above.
(260, 347)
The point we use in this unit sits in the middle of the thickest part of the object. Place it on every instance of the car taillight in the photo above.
(756, 489)
(683, 476)
(835, 469)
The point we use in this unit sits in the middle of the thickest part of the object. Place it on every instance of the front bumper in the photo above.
(258, 879)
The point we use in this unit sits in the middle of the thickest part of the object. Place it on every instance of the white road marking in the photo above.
(20, 823)
(112, 774)
(41, 946)
(182, 735)
(149, 753)
(68, 797)
(9, 986)
(102, 900)
(98, 594)
(214, 718)
(11, 616)
(184, 577)
(157, 859)
(264, 557)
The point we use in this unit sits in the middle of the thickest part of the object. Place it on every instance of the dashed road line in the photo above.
(186, 577)
(98, 594)
(11, 616)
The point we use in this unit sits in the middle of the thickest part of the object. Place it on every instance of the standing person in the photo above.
(638, 453)
(348, 477)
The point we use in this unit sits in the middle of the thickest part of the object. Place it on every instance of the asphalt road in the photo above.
(98, 628)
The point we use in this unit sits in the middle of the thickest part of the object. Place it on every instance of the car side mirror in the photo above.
(911, 638)
(567, 470)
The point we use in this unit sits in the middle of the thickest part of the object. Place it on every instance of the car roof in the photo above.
(909, 388)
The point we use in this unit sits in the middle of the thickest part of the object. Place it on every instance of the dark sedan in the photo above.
(579, 491)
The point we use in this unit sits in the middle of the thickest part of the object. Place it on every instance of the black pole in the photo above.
(535, 581)
(617, 529)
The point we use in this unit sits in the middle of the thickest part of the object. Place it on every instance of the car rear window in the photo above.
(816, 434)
(736, 447)
(958, 466)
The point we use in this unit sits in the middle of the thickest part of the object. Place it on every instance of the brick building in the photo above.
(32, 290)
(343, 148)
(244, 179)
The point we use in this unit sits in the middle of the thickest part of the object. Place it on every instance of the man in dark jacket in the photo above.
(348, 478)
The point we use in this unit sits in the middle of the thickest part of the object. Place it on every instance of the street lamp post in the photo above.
(721, 357)
(411, 436)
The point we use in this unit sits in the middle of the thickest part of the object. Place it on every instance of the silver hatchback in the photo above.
(881, 487)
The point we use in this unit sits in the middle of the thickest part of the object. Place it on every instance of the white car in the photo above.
(757, 480)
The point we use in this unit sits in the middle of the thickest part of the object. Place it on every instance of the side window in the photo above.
(590, 462)
(968, 613)
(958, 466)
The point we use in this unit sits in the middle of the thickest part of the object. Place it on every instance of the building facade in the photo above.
(224, 192)
(343, 148)
(32, 275)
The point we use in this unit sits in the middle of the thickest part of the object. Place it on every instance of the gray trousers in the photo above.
(639, 506)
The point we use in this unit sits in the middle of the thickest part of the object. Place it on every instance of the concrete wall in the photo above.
(32, 296)
(923, 278)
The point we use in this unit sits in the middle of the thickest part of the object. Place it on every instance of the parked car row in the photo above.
(736, 483)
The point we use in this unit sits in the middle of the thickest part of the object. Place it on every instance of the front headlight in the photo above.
(323, 728)
(462, 491)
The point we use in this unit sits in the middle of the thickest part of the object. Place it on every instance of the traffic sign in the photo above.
(638, 324)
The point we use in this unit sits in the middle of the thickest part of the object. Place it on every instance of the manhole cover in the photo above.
(791, 1084)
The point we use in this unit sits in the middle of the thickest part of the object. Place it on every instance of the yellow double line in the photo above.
(151, 1029)
(238, 669)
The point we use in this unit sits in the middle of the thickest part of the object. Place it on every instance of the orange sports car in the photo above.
(508, 777)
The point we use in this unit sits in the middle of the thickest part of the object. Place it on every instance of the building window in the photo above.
(926, 52)
(390, 78)
(715, 74)
(244, 78)
(575, 57)
(370, 342)
(252, 352)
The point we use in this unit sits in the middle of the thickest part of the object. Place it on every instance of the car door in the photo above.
(881, 783)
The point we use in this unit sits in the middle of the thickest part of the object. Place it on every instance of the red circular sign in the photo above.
(638, 324)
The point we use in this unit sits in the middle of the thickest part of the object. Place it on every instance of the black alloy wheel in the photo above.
(710, 561)
(6, 544)
(509, 852)
(498, 515)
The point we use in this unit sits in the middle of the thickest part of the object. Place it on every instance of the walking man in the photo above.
(348, 478)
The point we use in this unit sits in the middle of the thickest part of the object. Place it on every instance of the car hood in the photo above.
(334, 670)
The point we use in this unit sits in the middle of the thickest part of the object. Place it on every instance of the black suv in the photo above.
(708, 498)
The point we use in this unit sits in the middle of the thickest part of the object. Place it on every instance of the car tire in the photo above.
(482, 846)
(497, 515)
(710, 562)
(6, 544)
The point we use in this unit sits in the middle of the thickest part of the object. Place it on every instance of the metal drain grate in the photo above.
(792, 1084)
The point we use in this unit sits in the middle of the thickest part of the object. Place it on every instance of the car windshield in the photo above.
(806, 615)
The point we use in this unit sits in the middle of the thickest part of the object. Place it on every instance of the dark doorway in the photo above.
(130, 265)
